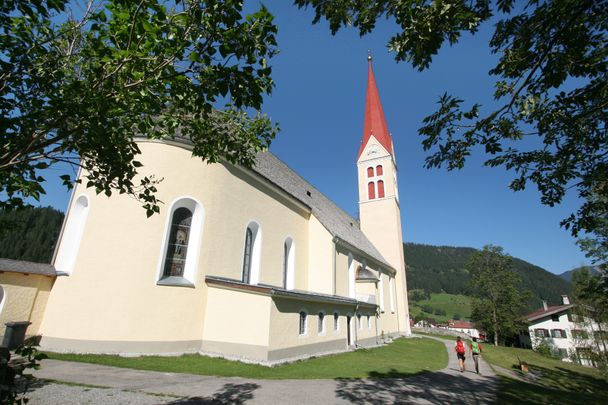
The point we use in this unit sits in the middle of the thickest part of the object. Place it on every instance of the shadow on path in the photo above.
(229, 394)
(435, 388)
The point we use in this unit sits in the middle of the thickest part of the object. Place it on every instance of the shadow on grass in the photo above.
(229, 394)
(438, 388)
(557, 385)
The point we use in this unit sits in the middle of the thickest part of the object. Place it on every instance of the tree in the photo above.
(592, 314)
(497, 300)
(548, 124)
(78, 85)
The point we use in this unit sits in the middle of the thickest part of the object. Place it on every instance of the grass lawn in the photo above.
(402, 358)
(551, 381)
(450, 303)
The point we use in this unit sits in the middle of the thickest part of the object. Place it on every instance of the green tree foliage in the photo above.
(443, 269)
(591, 310)
(79, 80)
(30, 234)
(498, 301)
(548, 122)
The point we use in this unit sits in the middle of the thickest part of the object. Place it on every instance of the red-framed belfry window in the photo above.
(371, 190)
(380, 189)
(379, 171)
(370, 172)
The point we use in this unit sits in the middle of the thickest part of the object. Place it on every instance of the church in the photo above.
(252, 264)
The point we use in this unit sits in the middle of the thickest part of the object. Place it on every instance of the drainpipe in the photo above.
(356, 325)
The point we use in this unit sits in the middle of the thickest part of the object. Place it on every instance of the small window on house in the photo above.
(558, 333)
(541, 333)
(379, 170)
(336, 321)
(359, 322)
(177, 248)
(302, 329)
(555, 317)
(370, 172)
(247, 256)
(380, 189)
(371, 190)
(580, 334)
(321, 325)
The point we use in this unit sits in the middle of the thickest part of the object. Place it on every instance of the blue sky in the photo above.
(319, 103)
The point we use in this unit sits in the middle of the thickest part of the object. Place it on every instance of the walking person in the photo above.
(460, 353)
(476, 351)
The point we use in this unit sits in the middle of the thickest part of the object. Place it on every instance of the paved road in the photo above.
(127, 386)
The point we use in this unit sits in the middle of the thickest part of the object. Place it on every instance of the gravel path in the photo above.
(127, 386)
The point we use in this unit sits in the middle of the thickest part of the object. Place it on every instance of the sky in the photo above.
(319, 102)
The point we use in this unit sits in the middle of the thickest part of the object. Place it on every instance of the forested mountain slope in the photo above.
(442, 269)
(29, 234)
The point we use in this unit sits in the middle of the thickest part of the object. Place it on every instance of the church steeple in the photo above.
(379, 208)
(375, 123)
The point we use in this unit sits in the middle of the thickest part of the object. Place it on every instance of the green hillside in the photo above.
(440, 306)
(29, 234)
(441, 269)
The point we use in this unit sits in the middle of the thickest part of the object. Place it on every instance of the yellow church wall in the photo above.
(25, 298)
(123, 252)
(341, 271)
(320, 259)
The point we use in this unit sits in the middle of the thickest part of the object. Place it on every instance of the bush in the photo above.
(427, 308)
(10, 391)
(456, 317)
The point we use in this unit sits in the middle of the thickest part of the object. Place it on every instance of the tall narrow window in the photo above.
(391, 286)
(181, 244)
(336, 321)
(247, 256)
(302, 329)
(370, 172)
(72, 234)
(321, 325)
(380, 189)
(177, 249)
(251, 254)
(289, 264)
(359, 322)
(371, 190)
(379, 170)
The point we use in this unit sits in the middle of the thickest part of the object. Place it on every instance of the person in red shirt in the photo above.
(460, 353)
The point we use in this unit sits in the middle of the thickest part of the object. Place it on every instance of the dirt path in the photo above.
(127, 386)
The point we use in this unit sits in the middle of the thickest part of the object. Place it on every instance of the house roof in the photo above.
(20, 266)
(333, 218)
(375, 122)
(462, 325)
(540, 313)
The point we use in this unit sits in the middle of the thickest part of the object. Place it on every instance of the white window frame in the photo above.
(290, 276)
(351, 276)
(381, 292)
(321, 323)
(256, 251)
(301, 332)
(336, 320)
(391, 287)
(72, 235)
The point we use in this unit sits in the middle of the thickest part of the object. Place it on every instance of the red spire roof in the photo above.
(375, 123)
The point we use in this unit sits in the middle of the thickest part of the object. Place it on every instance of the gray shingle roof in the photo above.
(20, 266)
(334, 219)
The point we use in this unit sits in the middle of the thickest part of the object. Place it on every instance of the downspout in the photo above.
(356, 325)
(334, 267)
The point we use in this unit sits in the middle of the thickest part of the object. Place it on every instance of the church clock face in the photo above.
(373, 150)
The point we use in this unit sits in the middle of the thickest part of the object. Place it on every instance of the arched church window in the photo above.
(379, 170)
(380, 189)
(177, 249)
(181, 244)
(302, 326)
(370, 172)
(288, 264)
(371, 190)
(251, 254)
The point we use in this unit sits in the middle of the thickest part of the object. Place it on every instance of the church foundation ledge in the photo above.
(122, 348)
